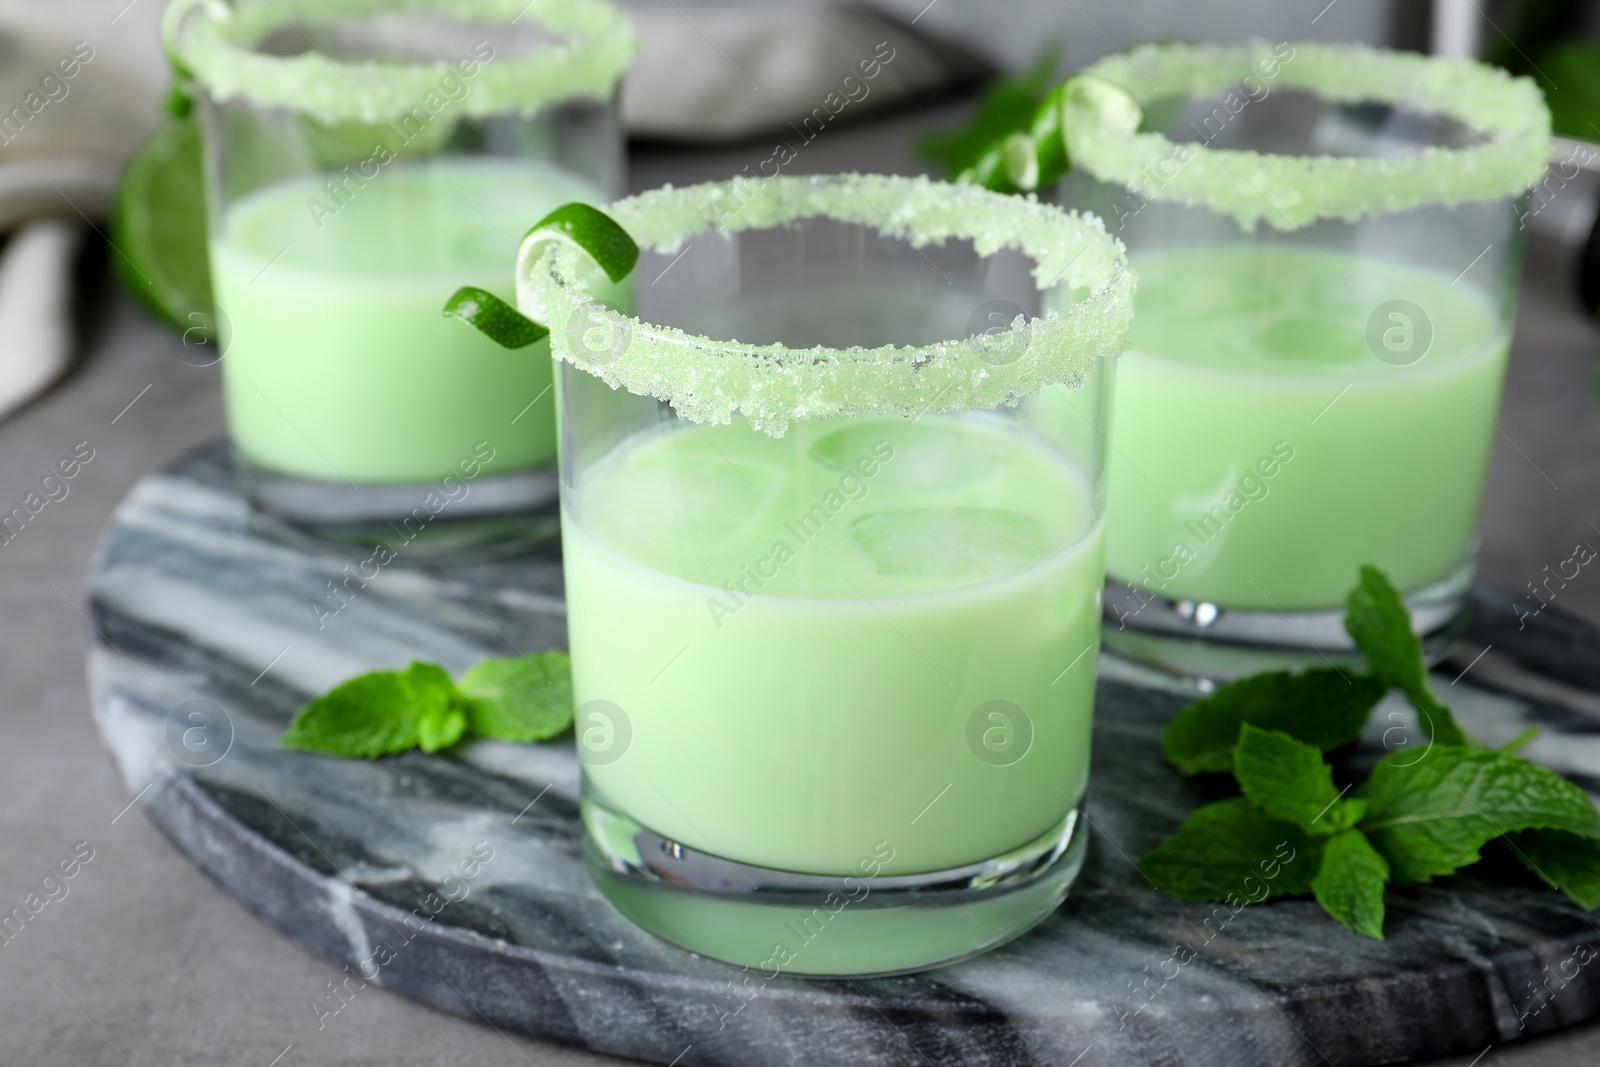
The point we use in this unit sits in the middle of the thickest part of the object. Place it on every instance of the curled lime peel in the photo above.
(586, 227)
(494, 318)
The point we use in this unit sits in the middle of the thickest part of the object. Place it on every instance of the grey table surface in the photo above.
(145, 961)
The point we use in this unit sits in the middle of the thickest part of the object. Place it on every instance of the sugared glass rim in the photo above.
(708, 380)
(1288, 192)
(215, 42)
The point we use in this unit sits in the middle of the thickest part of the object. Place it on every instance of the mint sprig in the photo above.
(1414, 819)
(387, 712)
(381, 713)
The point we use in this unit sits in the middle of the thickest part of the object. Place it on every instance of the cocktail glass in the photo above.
(1327, 240)
(833, 573)
(361, 158)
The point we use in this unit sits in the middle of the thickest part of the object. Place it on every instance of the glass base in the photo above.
(497, 516)
(1206, 641)
(820, 926)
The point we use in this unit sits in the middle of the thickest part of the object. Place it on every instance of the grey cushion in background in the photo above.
(718, 74)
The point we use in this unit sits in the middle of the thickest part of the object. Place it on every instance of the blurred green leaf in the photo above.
(1006, 108)
(1569, 74)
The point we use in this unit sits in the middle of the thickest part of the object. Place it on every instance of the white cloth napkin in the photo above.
(69, 115)
(35, 302)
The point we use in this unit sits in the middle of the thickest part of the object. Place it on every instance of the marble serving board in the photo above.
(458, 879)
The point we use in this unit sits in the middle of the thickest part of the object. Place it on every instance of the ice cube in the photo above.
(955, 542)
(932, 453)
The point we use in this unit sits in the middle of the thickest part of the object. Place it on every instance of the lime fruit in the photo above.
(158, 224)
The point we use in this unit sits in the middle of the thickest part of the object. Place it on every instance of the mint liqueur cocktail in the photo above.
(978, 543)
(833, 571)
(365, 157)
(1327, 245)
(1310, 446)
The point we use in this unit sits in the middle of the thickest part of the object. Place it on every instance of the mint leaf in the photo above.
(1432, 816)
(1289, 780)
(441, 727)
(1563, 861)
(1232, 851)
(1377, 620)
(374, 714)
(524, 699)
(1349, 884)
(1322, 707)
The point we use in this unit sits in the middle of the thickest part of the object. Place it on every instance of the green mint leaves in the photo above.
(1568, 862)
(1349, 883)
(1420, 815)
(527, 699)
(1323, 707)
(380, 714)
(377, 714)
(1233, 851)
(1289, 779)
(1431, 816)
(1377, 621)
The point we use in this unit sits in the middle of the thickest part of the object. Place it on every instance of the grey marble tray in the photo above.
(204, 641)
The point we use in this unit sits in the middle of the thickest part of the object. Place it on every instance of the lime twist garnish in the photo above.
(587, 228)
(494, 318)
(1028, 159)
(1037, 157)
(577, 225)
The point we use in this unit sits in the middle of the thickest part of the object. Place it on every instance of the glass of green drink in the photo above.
(833, 571)
(363, 156)
(1327, 240)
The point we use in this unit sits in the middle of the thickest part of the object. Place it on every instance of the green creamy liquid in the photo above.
(1262, 452)
(342, 366)
(800, 632)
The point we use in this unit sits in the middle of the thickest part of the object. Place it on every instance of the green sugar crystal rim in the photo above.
(707, 380)
(215, 42)
(1288, 192)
